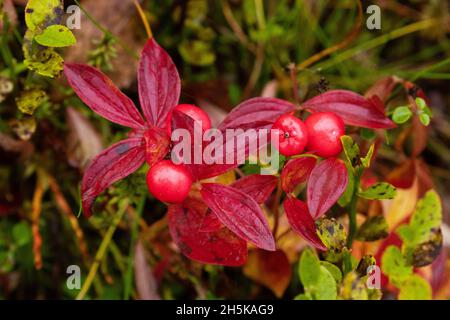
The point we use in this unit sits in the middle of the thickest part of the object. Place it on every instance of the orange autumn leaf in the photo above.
(271, 269)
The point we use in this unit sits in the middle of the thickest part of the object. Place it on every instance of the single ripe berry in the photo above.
(192, 111)
(291, 133)
(325, 130)
(169, 182)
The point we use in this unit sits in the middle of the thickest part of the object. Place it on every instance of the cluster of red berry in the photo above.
(320, 134)
(169, 182)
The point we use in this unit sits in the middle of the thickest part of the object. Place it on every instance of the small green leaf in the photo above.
(30, 100)
(373, 229)
(421, 104)
(425, 119)
(367, 134)
(401, 114)
(351, 150)
(426, 217)
(46, 62)
(394, 266)
(326, 287)
(425, 253)
(308, 268)
(303, 296)
(353, 287)
(415, 288)
(38, 12)
(335, 272)
(381, 190)
(365, 263)
(332, 233)
(346, 197)
(366, 160)
(56, 36)
(21, 233)
(198, 53)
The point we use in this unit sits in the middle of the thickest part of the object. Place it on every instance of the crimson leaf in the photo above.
(296, 171)
(301, 221)
(109, 166)
(239, 213)
(97, 91)
(256, 110)
(257, 186)
(327, 182)
(353, 108)
(220, 247)
(156, 145)
(159, 83)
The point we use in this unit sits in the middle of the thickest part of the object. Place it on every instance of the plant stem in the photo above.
(134, 233)
(276, 209)
(352, 210)
(102, 250)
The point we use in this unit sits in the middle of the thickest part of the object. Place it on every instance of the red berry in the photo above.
(292, 135)
(192, 111)
(325, 130)
(169, 182)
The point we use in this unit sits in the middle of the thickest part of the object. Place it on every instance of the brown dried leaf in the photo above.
(146, 284)
(83, 141)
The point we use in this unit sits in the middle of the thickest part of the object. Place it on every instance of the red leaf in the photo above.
(210, 222)
(296, 171)
(327, 182)
(301, 221)
(156, 145)
(111, 165)
(239, 213)
(221, 247)
(202, 170)
(159, 83)
(353, 108)
(98, 92)
(264, 110)
(257, 186)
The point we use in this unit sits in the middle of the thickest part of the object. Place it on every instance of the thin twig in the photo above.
(234, 25)
(102, 250)
(148, 30)
(36, 208)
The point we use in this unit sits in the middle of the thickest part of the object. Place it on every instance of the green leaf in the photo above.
(394, 266)
(425, 253)
(367, 134)
(366, 160)
(365, 263)
(373, 229)
(326, 287)
(335, 271)
(308, 268)
(346, 197)
(38, 12)
(46, 62)
(425, 119)
(353, 287)
(332, 233)
(56, 36)
(30, 100)
(381, 190)
(21, 233)
(421, 104)
(426, 217)
(303, 296)
(198, 53)
(401, 114)
(415, 288)
(351, 150)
